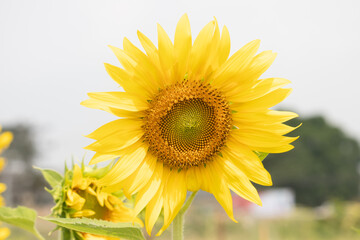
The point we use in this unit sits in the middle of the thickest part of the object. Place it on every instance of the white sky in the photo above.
(52, 54)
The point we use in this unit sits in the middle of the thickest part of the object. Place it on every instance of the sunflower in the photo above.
(190, 118)
(84, 198)
(5, 140)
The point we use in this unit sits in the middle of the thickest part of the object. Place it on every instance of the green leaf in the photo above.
(100, 227)
(261, 155)
(52, 177)
(21, 217)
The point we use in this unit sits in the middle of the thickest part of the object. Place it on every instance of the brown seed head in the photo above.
(187, 124)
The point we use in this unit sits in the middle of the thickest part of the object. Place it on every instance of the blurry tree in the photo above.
(23, 146)
(323, 165)
(25, 185)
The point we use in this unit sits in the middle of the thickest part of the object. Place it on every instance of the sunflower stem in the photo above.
(178, 223)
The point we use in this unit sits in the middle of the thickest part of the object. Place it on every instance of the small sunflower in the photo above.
(190, 118)
(84, 198)
(5, 140)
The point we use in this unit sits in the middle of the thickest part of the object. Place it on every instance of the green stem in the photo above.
(178, 223)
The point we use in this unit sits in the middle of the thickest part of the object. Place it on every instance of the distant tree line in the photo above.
(324, 164)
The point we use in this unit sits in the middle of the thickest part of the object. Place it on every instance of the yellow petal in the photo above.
(166, 53)
(140, 178)
(120, 126)
(174, 197)
(148, 192)
(126, 165)
(78, 181)
(126, 61)
(219, 187)
(128, 83)
(2, 163)
(5, 140)
(120, 100)
(214, 56)
(92, 103)
(200, 55)
(74, 200)
(90, 191)
(193, 179)
(277, 128)
(148, 46)
(263, 118)
(83, 213)
(182, 45)
(2, 187)
(261, 88)
(4, 233)
(234, 66)
(100, 157)
(240, 184)
(145, 67)
(261, 140)
(153, 210)
(262, 103)
(259, 64)
(246, 161)
(224, 46)
(101, 196)
(116, 142)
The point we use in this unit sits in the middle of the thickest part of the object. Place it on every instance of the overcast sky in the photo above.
(52, 54)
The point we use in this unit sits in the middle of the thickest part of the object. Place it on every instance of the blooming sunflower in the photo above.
(85, 199)
(5, 140)
(190, 118)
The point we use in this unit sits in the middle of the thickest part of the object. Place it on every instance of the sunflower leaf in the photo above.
(52, 177)
(21, 217)
(99, 227)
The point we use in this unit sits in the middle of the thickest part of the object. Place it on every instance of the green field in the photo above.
(336, 222)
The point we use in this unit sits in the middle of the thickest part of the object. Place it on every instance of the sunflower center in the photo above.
(187, 124)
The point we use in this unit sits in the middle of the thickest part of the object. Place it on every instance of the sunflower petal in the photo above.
(166, 49)
(263, 141)
(174, 197)
(265, 102)
(5, 140)
(224, 47)
(149, 72)
(193, 179)
(119, 100)
(126, 165)
(147, 193)
(234, 66)
(263, 118)
(120, 76)
(200, 51)
(182, 45)
(262, 88)
(219, 188)
(148, 46)
(138, 179)
(115, 142)
(246, 161)
(240, 184)
(153, 210)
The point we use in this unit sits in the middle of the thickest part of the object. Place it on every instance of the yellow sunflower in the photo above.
(190, 118)
(5, 140)
(86, 199)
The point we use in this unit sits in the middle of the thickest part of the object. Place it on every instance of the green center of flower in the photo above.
(187, 124)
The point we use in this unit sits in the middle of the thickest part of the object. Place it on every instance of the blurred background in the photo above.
(52, 54)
